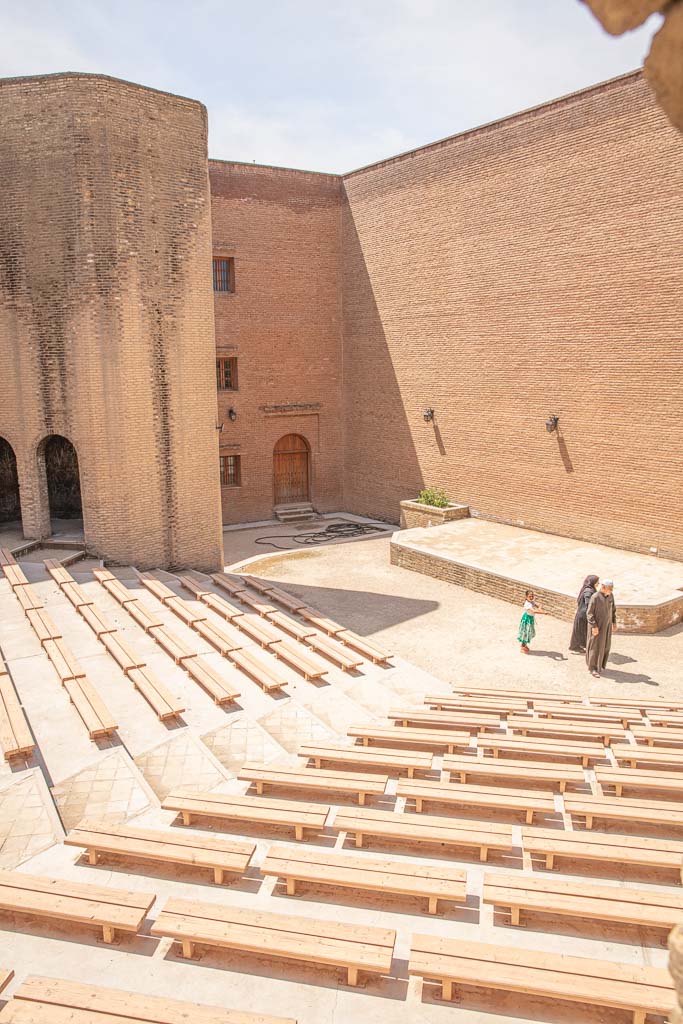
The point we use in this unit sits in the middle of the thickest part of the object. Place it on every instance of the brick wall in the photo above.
(106, 312)
(529, 267)
(283, 323)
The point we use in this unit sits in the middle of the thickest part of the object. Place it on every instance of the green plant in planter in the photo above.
(434, 496)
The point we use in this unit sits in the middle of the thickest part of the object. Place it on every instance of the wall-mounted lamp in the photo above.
(428, 415)
(551, 423)
(232, 415)
(219, 427)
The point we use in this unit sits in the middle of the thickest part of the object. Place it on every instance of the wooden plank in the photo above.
(76, 595)
(173, 645)
(256, 603)
(14, 575)
(320, 621)
(408, 761)
(438, 738)
(638, 778)
(481, 797)
(223, 688)
(373, 652)
(262, 586)
(296, 629)
(321, 867)
(588, 714)
(599, 731)
(482, 705)
(416, 828)
(42, 625)
(234, 587)
(222, 607)
(323, 780)
(5, 977)
(185, 611)
(654, 735)
(37, 994)
(625, 810)
(547, 772)
(15, 735)
(535, 746)
(281, 597)
(66, 665)
(244, 808)
(143, 615)
(575, 979)
(90, 706)
(158, 696)
(267, 676)
(603, 847)
(527, 695)
(309, 665)
(262, 633)
(335, 652)
(217, 637)
(633, 754)
(28, 599)
(443, 719)
(641, 703)
(122, 654)
(156, 587)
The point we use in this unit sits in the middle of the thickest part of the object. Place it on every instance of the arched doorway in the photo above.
(10, 505)
(291, 470)
(63, 479)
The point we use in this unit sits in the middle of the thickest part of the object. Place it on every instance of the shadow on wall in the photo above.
(360, 610)
(381, 463)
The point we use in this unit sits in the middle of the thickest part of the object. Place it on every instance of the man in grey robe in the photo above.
(602, 619)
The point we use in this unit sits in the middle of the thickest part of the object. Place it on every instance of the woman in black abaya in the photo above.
(580, 628)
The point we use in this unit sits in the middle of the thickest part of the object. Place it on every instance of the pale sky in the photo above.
(323, 84)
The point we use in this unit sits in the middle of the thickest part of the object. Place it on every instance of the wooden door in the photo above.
(291, 470)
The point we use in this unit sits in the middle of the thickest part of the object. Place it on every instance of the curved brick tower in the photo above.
(106, 312)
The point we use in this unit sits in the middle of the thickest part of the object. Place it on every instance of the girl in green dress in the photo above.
(527, 627)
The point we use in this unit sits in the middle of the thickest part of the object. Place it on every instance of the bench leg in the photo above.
(495, 751)
(317, 762)
(298, 831)
(529, 817)
(563, 786)
(584, 761)
(484, 853)
(218, 876)
(291, 886)
(359, 838)
(549, 860)
(639, 1016)
(418, 803)
(352, 975)
(92, 856)
(365, 740)
(619, 788)
(463, 777)
(433, 904)
(514, 915)
(259, 788)
(411, 773)
(589, 821)
(186, 817)
(187, 949)
(108, 933)
(446, 989)
(361, 798)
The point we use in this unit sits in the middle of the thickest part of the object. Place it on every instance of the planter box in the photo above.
(413, 513)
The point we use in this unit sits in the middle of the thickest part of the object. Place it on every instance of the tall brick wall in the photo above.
(283, 323)
(530, 267)
(106, 311)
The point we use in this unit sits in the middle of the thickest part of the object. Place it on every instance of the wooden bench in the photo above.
(118, 590)
(263, 586)
(351, 946)
(361, 644)
(220, 855)
(14, 575)
(176, 648)
(66, 665)
(309, 665)
(317, 779)
(43, 626)
(57, 571)
(16, 739)
(75, 594)
(640, 990)
(159, 698)
(343, 870)
(143, 615)
(653, 735)
(604, 847)
(223, 688)
(189, 614)
(479, 797)
(642, 703)
(123, 655)
(441, 739)
(5, 978)
(267, 676)
(261, 632)
(655, 716)
(291, 626)
(217, 637)
(598, 731)
(425, 828)
(528, 696)
(547, 772)
(638, 778)
(111, 910)
(289, 813)
(256, 603)
(588, 714)
(52, 1001)
(613, 903)
(484, 706)
(443, 719)
(408, 761)
(320, 621)
(95, 714)
(28, 599)
(540, 747)
(334, 651)
(634, 755)
(281, 597)
(234, 587)
(625, 810)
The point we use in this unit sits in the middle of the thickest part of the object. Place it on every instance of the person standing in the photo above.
(602, 620)
(580, 627)
(527, 625)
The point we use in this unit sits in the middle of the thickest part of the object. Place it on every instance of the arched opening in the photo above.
(10, 505)
(291, 470)
(63, 480)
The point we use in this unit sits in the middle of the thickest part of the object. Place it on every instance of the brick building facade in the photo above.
(526, 268)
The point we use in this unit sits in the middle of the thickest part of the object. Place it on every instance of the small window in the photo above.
(231, 471)
(223, 274)
(226, 374)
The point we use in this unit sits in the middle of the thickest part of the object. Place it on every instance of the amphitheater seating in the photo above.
(98, 837)
(5, 977)
(529, 696)
(484, 798)
(653, 735)
(408, 761)
(319, 780)
(546, 772)
(436, 719)
(656, 716)
(351, 946)
(41, 1000)
(540, 747)
(310, 666)
(625, 810)
(335, 652)
(612, 903)
(364, 646)
(641, 990)
(320, 621)
(288, 601)
(111, 910)
(413, 829)
(636, 702)
(633, 755)
(320, 867)
(598, 731)
(16, 739)
(412, 737)
(602, 847)
(483, 706)
(588, 714)
(638, 778)
(267, 676)
(288, 813)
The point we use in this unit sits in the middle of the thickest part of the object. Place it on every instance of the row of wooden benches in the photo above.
(534, 697)
(354, 947)
(93, 711)
(16, 739)
(551, 706)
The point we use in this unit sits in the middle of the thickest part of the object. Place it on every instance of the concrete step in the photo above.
(295, 513)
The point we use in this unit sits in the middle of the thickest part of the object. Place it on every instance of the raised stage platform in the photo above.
(503, 561)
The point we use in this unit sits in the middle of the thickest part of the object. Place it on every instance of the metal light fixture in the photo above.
(551, 423)
(232, 415)
(219, 427)
(428, 415)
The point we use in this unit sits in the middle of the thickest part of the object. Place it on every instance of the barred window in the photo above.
(231, 471)
(223, 274)
(226, 374)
